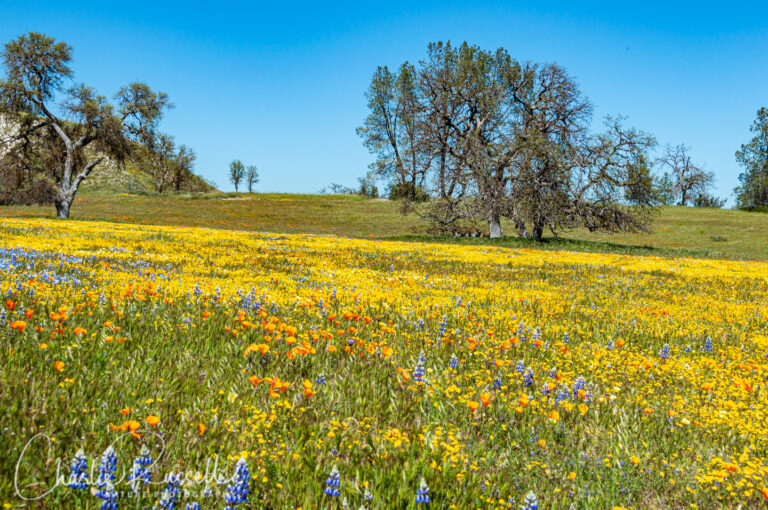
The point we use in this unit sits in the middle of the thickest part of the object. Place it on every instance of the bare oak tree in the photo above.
(236, 173)
(142, 110)
(688, 179)
(251, 177)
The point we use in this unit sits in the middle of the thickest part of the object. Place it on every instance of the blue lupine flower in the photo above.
(78, 479)
(422, 493)
(192, 506)
(497, 384)
(170, 495)
(418, 371)
(664, 354)
(580, 384)
(239, 488)
(545, 389)
(108, 495)
(520, 367)
(528, 378)
(107, 468)
(140, 472)
(530, 502)
(443, 327)
(320, 379)
(708, 344)
(454, 363)
(566, 337)
(332, 483)
(367, 495)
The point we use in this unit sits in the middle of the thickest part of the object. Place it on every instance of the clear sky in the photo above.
(281, 85)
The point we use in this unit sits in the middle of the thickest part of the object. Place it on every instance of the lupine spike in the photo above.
(530, 502)
(79, 471)
(239, 488)
(333, 483)
(422, 493)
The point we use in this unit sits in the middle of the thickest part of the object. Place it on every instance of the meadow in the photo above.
(676, 231)
(199, 366)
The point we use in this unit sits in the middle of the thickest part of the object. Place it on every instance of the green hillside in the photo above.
(130, 178)
(677, 231)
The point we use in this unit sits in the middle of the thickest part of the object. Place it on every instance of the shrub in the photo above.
(407, 191)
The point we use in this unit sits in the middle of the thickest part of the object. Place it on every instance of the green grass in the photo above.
(677, 231)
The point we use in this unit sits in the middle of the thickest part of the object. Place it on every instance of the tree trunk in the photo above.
(494, 226)
(538, 231)
(523, 230)
(63, 204)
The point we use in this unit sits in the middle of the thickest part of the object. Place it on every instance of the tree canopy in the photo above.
(489, 137)
(753, 158)
(60, 130)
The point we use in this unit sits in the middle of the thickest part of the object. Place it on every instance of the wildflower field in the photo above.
(196, 368)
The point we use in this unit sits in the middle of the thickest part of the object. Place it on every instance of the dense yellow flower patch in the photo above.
(588, 379)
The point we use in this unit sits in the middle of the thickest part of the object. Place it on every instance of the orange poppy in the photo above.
(152, 420)
(19, 326)
(308, 391)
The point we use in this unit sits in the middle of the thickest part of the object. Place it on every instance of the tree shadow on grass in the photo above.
(553, 243)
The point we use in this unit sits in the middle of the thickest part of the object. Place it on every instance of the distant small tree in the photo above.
(236, 172)
(368, 186)
(753, 158)
(707, 200)
(251, 177)
(182, 166)
(688, 180)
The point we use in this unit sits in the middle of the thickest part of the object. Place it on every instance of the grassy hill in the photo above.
(130, 178)
(677, 231)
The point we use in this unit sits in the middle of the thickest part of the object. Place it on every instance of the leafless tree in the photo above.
(688, 179)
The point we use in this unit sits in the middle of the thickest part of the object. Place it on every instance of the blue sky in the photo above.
(281, 86)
